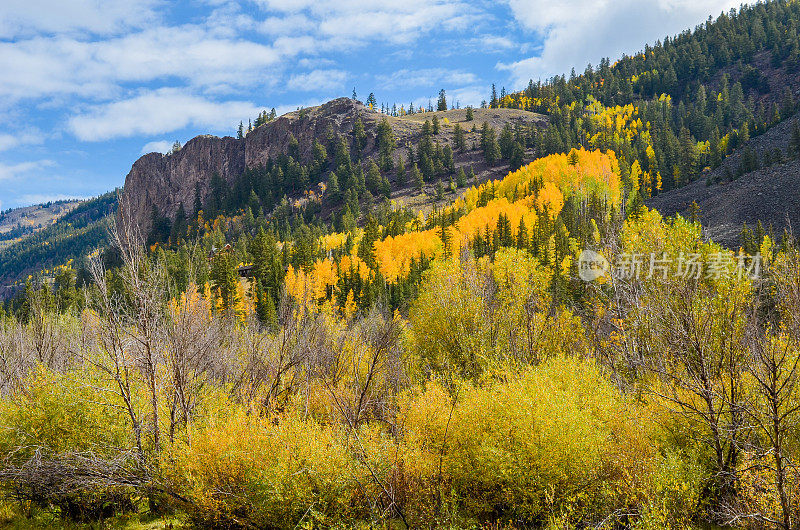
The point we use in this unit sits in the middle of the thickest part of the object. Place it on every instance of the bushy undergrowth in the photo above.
(495, 403)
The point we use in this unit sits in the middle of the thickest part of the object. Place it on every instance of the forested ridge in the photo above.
(683, 104)
(363, 332)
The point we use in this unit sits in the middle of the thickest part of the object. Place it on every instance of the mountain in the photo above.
(76, 234)
(703, 116)
(167, 181)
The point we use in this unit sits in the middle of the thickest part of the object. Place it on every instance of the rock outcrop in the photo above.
(769, 194)
(169, 180)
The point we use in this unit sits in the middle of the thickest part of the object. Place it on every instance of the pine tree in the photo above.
(522, 235)
(461, 178)
(441, 104)
(491, 149)
(240, 131)
(470, 115)
(359, 135)
(366, 250)
(224, 279)
(386, 144)
(506, 142)
(180, 226)
(401, 173)
(265, 307)
(459, 139)
(332, 191)
(517, 158)
(416, 177)
(373, 178)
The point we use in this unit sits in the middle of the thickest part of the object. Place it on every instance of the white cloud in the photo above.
(496, 42)
(317, 80)
(354, 22)
(426, 77)
(40, 198)
(19, 18)
(10, 141)
(11, 171)
(47, 66)
(578, 32)
(157, 112)
(471, 95)
(286, 25)
(159, 146)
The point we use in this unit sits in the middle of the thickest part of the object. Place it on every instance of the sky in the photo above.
(88, 86)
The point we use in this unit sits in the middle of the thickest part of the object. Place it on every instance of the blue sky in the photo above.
(88, 86)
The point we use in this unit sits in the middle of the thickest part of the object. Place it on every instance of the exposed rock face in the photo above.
(169, 180)
(273, 138)
(769, 194)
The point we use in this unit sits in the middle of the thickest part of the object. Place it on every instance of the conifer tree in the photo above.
(359, 135)
(459, 139)
(441, 104)
(416, 177)
(461, 178)
(401, 173)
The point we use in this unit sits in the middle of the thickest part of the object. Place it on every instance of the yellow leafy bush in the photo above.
(557, 440)
(478, 315)
(276, 472)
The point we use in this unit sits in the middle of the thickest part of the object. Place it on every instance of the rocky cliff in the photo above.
(169, 180)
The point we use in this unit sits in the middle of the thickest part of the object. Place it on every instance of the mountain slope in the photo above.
(72, 237)
(18, 223)
(757, 182)
(167, 181)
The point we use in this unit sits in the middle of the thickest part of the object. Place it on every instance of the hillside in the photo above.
(166, 181)
(343, 318)
(17, 223)
(73, 236)
(760, 181)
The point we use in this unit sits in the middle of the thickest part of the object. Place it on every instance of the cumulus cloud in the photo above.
(353, 22)
(157, 112)
(10, 141)
(426, 77)
(101, 17)
(578, 32)
(46, 66)
(317, 80)
(159, 146)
